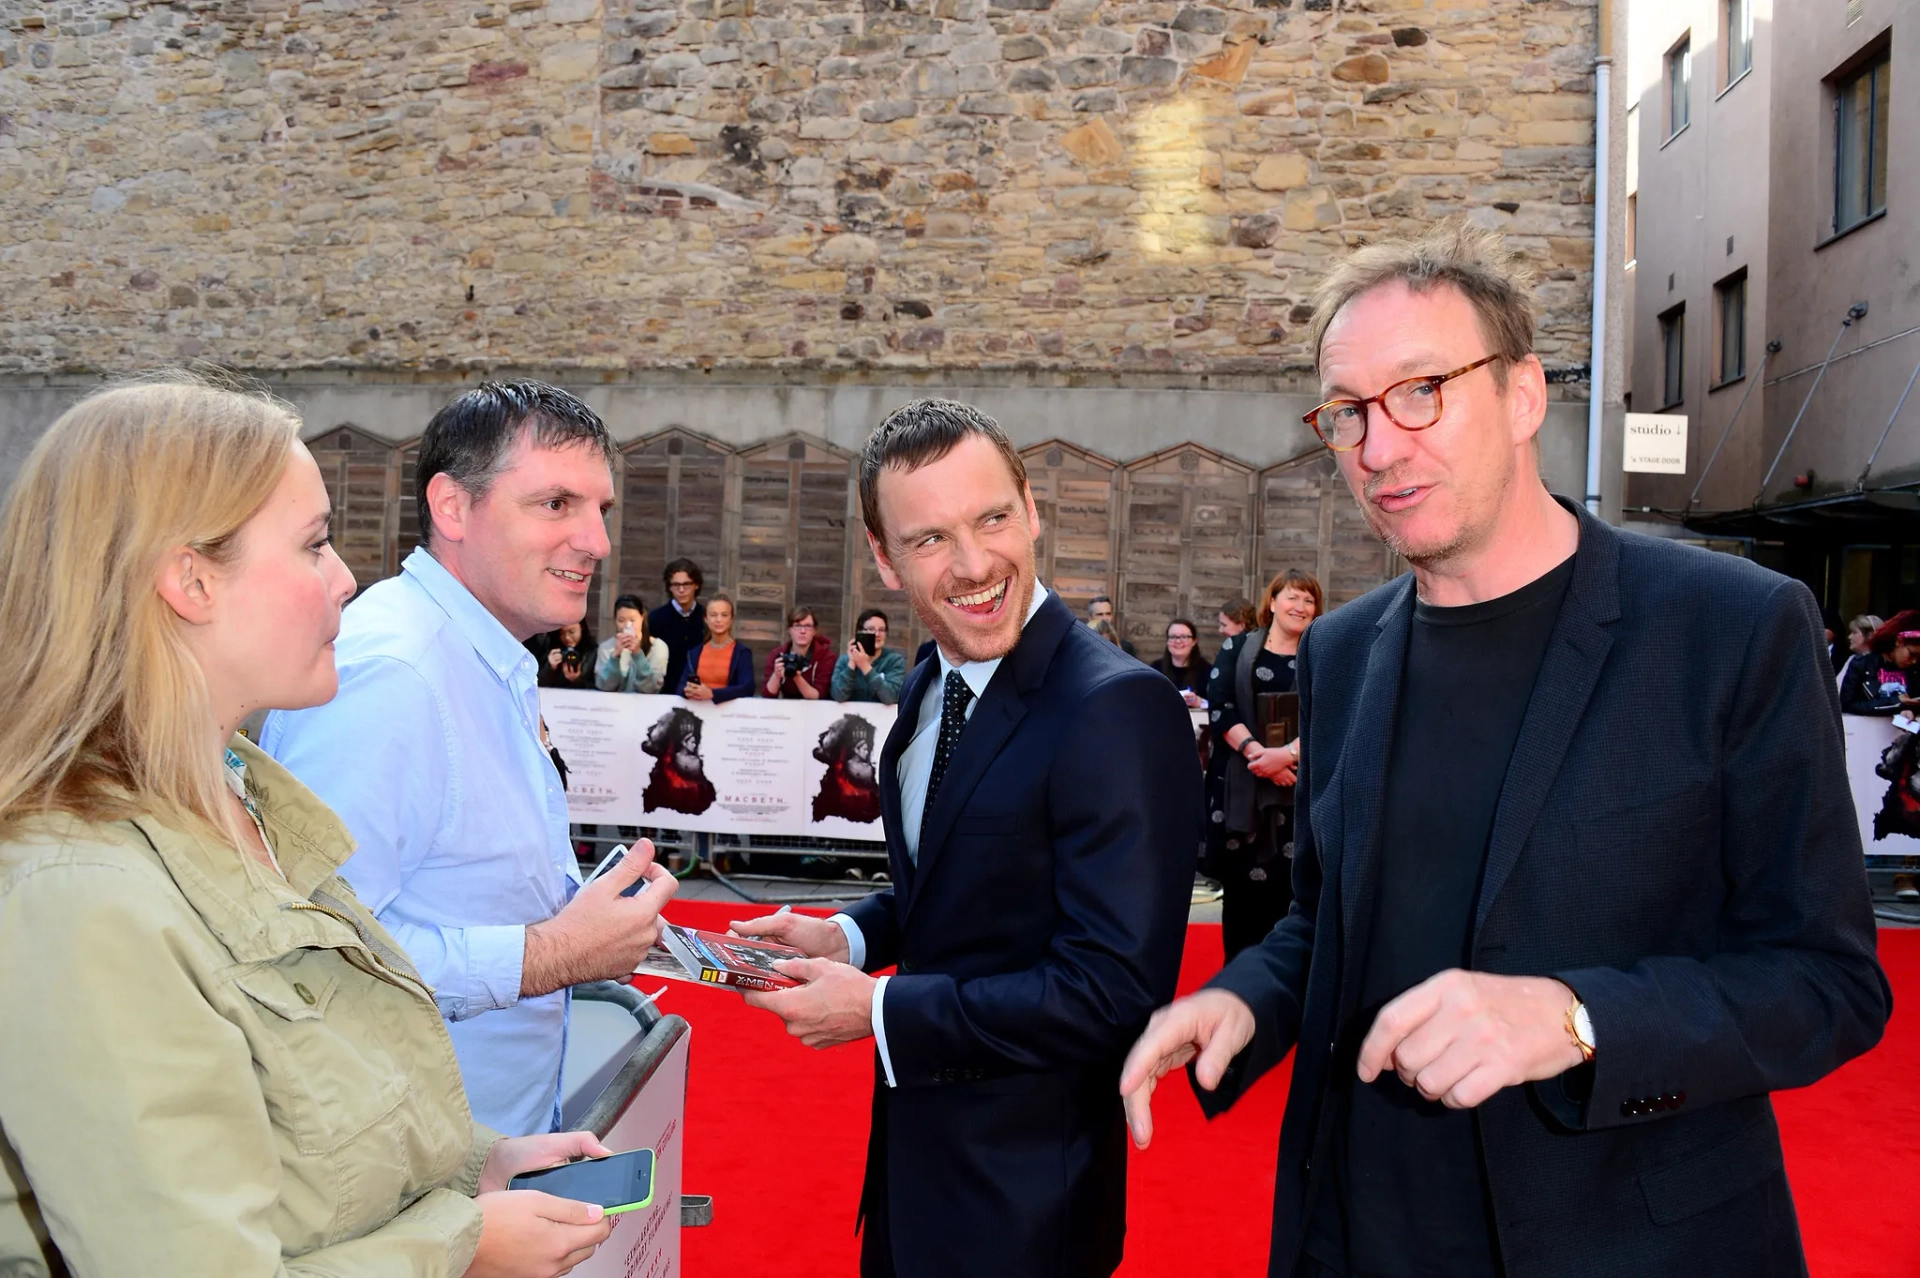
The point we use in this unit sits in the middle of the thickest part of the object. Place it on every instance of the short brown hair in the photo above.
(1477, 262)
(1294, 579)
(1241, 611)
(919, 433)
(802, 613)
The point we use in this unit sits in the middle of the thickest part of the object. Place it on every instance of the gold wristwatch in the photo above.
(1580, 1028)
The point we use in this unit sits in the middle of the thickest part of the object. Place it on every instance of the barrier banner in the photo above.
(1887, 826)
(751, 766)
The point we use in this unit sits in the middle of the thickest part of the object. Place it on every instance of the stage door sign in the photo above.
(646, 1243)
(751, 766)
(1656, 443)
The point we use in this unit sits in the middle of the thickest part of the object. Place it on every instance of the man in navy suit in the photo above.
(1041, 796)
(1572, 894)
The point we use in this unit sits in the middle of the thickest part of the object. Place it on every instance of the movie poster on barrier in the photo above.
(751, 766)
(841, 768)
(1886, 828)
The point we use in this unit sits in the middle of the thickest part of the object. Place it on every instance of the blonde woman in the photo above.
(215, 1060)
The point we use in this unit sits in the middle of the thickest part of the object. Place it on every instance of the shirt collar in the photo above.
(495, 644)
(978, 674)
(685, 612)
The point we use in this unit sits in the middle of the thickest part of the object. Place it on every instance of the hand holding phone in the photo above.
(618, 1183)
(612, 859)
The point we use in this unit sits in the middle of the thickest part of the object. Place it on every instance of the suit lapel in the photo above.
(1001, 708)
(904, 724)
(1363, 768)
(1575, 654)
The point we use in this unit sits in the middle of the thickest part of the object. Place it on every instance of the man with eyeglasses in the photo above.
(1571, 897)
(682, 620)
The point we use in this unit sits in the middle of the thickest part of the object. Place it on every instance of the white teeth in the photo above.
(984, 596)
(570, 576)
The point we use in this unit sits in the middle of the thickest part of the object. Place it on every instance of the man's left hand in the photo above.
(834, 1006)
(1458, 1037)
(516, 1154)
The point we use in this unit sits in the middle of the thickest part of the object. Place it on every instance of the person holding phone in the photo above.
(633, 660)
(869, 670)
(720, 668)
(216, 1060)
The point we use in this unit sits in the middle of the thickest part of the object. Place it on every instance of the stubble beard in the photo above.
(1477, 518)
(932, 610)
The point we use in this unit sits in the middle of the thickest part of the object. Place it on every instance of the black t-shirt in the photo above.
(1411, 1198)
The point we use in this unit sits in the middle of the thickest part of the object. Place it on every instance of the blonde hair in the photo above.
(124, 478)
(1475, 261)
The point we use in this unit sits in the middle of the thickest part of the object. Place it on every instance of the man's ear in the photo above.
(1527, 397)
(880, 561)
(1033, 511)
(449, 505)
(181, 580)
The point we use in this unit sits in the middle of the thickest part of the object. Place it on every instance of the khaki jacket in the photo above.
(205, 1070)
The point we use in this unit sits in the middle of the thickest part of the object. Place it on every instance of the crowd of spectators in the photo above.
(686, 647)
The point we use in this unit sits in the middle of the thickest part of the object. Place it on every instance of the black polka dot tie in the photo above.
(953, 719)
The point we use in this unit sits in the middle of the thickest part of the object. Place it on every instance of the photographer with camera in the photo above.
(869, 670)
(566, 656)
(802, 667)
(633, 660)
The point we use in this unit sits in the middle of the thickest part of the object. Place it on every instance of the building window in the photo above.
(1739, 15)
(1633, 227)
(1730, 296)
(1860, 144)
(1673, 346)
(1679, 86)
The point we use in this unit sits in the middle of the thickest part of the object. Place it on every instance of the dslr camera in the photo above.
(792, 663)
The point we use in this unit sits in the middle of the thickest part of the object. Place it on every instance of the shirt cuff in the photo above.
(496, 958)
(856, 941)
(880, 1028)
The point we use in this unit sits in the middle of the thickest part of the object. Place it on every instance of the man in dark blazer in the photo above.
(1040, 795)
(1571, 897)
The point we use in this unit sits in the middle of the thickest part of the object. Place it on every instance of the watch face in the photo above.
(1583, 1026)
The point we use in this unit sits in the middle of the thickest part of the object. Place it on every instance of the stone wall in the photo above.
(1070, 186)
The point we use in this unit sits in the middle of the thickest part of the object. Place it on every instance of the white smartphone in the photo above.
(612, 859)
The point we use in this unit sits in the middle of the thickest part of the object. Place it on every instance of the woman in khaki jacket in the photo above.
(213, 1060)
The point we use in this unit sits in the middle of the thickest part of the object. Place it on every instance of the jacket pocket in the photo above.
(325, 1074)
(1714, 1175)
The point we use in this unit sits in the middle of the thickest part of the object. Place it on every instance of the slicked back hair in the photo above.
(918, 434)
(468, 439)
(1477, 262)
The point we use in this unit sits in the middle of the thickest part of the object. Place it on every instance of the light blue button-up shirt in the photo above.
(431, 755)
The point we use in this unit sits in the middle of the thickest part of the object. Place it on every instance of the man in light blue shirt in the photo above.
(431, 751)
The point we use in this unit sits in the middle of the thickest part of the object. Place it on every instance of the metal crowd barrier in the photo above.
(761, 869)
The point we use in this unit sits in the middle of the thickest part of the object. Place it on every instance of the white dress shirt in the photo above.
(916, 769)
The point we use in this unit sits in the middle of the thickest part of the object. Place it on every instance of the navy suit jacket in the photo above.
(1041, 927)
(1675, 840)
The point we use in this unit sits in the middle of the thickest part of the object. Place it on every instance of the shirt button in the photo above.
(306, 995)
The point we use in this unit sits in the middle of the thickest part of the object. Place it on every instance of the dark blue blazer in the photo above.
(739, 673)
(1676, 841)
(1042, 926)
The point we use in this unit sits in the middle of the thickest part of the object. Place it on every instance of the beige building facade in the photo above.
(1774, 188)
(744, 228)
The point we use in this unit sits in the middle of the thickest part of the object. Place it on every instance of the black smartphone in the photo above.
(869, 643)
(619, 1182)
(614, 858)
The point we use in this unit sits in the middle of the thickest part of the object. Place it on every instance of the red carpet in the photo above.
(778, 1134)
